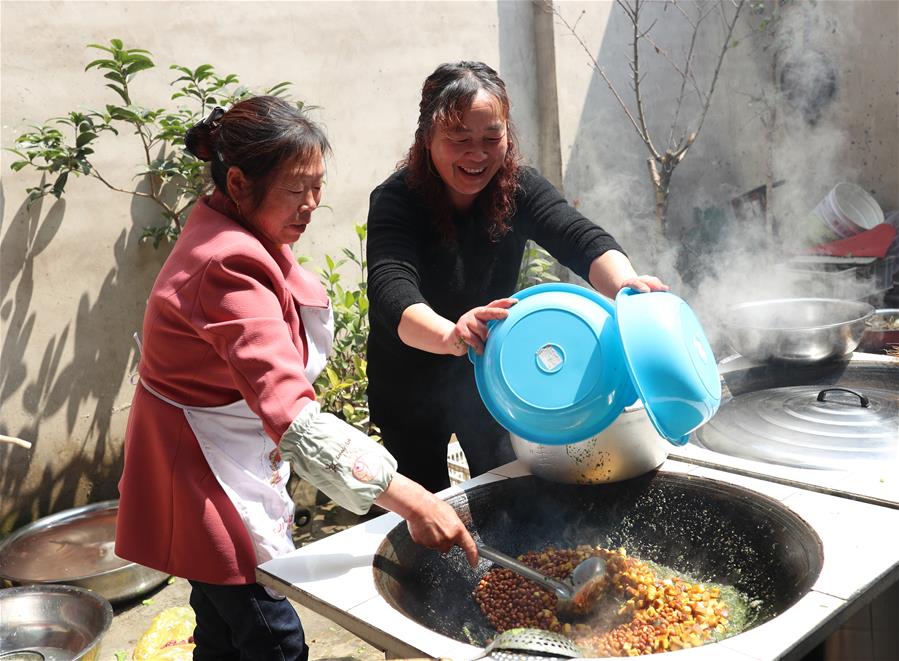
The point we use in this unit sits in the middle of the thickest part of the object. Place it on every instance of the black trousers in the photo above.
(245, 623)
(417, 428)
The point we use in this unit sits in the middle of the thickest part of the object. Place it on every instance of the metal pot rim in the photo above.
(81, 593)
(632, 409)
(58, 517)
(870, 310)
(882, 312)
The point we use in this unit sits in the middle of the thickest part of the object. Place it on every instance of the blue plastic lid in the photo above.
(553, 371)
(669, 360)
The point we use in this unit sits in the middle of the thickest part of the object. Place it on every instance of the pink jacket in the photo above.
(222, 324)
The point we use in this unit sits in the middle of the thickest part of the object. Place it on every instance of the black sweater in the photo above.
(409, 262)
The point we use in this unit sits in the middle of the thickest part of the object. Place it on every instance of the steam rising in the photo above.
(780, 115)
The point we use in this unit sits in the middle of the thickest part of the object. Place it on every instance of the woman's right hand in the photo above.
(471, 329)
(432, 522)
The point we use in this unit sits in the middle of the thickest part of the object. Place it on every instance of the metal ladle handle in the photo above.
(862, 399)
(562, 591)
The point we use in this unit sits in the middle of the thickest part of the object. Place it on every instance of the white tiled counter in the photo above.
(334, 577)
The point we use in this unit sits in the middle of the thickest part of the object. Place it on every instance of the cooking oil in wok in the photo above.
(743, 612)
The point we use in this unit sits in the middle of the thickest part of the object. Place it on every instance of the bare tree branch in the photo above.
(602, 74)
(661, 51)
(727, 37)
(638, 97)
(661, 166)
(647, 30)
(686, 75)
(98, 176)
(684, 14)
(627, 10)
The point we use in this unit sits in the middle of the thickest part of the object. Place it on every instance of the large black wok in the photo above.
(714, 531)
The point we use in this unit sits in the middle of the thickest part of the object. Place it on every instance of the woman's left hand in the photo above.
(645, 283)
(471, 329)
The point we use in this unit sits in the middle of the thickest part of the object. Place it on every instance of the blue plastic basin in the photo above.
(669, 360)
(554, 371)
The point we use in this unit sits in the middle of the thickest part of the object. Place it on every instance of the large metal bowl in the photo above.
(797, 330)
(629, 447)
(75, 547)
(52, 622)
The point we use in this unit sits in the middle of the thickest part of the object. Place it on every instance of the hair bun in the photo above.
(199, 141)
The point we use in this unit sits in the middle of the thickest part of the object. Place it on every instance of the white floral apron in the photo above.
(241, 455)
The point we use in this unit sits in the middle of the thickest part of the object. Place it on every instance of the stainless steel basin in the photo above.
(52, 622)
(76, 547)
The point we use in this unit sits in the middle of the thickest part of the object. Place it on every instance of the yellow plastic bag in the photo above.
(169, 637)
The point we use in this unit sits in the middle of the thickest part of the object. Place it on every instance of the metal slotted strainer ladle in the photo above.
(530, 644)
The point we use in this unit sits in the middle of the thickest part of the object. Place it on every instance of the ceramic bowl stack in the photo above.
(594, 386)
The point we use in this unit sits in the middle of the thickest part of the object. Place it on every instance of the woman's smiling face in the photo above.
(468, 155)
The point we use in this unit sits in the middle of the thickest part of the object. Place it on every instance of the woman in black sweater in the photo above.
(446, 236)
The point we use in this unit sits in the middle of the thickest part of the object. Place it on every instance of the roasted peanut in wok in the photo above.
(650, 614)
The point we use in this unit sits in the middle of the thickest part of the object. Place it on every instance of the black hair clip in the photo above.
(214, 120)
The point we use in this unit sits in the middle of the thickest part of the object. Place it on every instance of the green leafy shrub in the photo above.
(341, 386)
(62, 147)
(536, 267)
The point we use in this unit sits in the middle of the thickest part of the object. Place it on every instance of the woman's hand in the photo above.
(439, 527)
(644, 283)
(612, 271)
(431, 521)
(471, 329)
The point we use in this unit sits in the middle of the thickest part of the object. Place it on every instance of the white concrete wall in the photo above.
(74, 276)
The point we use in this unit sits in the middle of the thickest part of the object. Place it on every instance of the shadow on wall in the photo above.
(84, 363)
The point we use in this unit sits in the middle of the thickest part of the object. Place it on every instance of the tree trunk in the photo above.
(661, 191)
(660, 173)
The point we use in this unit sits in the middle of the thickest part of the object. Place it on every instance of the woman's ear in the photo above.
(238, 185)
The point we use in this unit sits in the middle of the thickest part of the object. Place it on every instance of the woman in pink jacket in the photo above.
(234, 335)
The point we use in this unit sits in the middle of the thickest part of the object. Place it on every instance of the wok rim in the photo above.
(778, 301)
(744, 499)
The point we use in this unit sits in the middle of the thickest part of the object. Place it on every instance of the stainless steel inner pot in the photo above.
(629, 447)
(797, 330)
